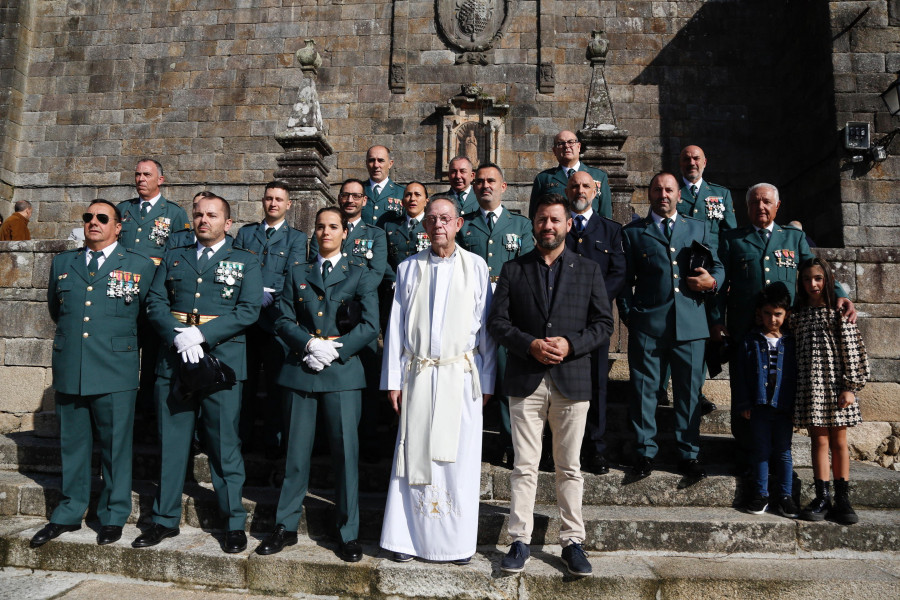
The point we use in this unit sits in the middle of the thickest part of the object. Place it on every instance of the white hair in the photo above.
(767, 186)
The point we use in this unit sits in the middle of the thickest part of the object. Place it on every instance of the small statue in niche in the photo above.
(467, 143)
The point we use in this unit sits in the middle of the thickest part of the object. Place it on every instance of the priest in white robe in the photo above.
(439, 364)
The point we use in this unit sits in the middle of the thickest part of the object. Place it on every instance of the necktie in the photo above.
(764, 234)
(667, 228)
(570, 172)
(326, 269)
(204, 258)
(579, 223)
(350, 227)
(270, 232)
(145, 208)
(94, 264)
(411, 225)
(694, 190)
(490, 220)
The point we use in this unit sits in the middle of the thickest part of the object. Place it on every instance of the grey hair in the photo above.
(445, 197)
(767, 186)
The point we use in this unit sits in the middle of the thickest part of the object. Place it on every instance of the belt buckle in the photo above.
(192, 319)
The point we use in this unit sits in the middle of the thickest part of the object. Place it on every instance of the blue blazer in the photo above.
(750, 371)
(601, 241)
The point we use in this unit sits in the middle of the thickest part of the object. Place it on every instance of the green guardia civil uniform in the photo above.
(555, 180)
(222, 298)
(465, 202)
(150, 234)
(185, 237)
(713, 204)
(666, 321)
(309, 307)
(510, 238)
(403, 242)
(276, 252)
(387, 202)
(95, 375)
(365, 245)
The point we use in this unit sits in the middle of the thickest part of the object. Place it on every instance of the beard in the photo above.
(551, 244)
(581, 203)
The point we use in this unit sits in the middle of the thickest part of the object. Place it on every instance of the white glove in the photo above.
(187, 337)
(325, 351)
(192, 354)
(313, 363)
(268, 298)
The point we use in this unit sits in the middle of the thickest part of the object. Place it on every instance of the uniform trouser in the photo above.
(219, 414)
(342, 413)
(595, 428)
(373, 399)
(566, 418)
(645, 354)
(264, 350)
(150, 346)
(113, 417)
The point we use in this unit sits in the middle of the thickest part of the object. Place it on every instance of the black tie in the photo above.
(270, 232)
(570, 172)
(326, 269)
(204, 258)
(94, 264)
(667, 227)
(145, 208)
(490, 219)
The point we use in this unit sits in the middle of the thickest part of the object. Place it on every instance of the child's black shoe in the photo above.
(786, 508)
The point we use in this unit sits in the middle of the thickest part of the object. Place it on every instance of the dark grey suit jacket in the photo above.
(580, 312)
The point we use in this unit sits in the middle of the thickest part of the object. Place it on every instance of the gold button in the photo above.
(321, 298)
(490, 253)
(677, 290)
(767, 269)
(490, 241)
(197, 295)
(676, 275)
(88, 303)
(318, 331)
(767, 281)
(139, 230)
(319, 313)
(671, 249)
(86, 319)
(579, 240)
(490, 268)
(195, 311)
(674, 262)
(85, 334)
(376, 207)
(90, 288)
(767, 258)
(199, 280)
(137, 241)
(695, 210)
(344, 253)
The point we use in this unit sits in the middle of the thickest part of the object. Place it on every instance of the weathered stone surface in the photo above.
(880, 401)
(865, 438)
(21, 388)
(28, 352)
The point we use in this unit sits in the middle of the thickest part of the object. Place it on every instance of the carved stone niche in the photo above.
(472, 127)
(471, 27)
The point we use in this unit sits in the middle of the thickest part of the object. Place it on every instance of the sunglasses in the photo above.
(102, 218)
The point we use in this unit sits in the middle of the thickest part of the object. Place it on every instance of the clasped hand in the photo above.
(550, 351)
(704, 282)
(187, 344)
(320, 353)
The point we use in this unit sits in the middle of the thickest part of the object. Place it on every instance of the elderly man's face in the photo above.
(566, 148)
(460, 175)
(762, 207)
(442, 224)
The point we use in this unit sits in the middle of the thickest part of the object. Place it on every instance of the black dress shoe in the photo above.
(235, 541)
(596, 463)
(643, 466)
(109, 534)
(350, 551)
(691, 469)
(276, 541)
(706, 406)
(51, 531)
(154, 535)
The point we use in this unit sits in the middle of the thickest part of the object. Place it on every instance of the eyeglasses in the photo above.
(443, 220)
(565, 143)
(346, 195)
(102, 218)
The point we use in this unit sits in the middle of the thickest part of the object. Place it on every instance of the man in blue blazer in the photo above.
(599, 239)
(566, 149)
(663, 305)
(277, 246)
(551, 311)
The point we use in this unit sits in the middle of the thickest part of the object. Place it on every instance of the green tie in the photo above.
(145, 208)
(94, 264)
(570, 172)
(326, 269)
(204, 258)
(694, 190)
(270, 232)
(667, 226)
(490, 219)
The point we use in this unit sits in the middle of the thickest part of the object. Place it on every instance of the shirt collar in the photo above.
(688, 184)
(152, 200)
(334, 260)
(353, 224)
(497, 211)
(377, 187)
(106, 251)
(770, 228)
(276, 227)
(576, 166)
(215, 248)
(587, 214)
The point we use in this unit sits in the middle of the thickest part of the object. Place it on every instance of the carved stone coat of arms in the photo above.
(472, 25)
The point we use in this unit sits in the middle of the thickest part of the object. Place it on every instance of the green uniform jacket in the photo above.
(150, 234)
(309, 309)
(95, 349)
(180, 286)
(276, 255)
(713, 204)
(403, 243)
(554, 181)
(387, 202)
(468, 203)
(511, 237)
(750, 265)
(366, 245)
(660, 302)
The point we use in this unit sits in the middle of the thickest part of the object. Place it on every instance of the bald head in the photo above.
(580, 191)
(692, 161)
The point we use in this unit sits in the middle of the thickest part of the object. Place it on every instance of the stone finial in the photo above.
(309, 59)
(470, 90)
(597, 47)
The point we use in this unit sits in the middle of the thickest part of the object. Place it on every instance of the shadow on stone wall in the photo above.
(752, 83)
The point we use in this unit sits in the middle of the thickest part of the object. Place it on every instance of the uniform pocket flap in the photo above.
(124, 344)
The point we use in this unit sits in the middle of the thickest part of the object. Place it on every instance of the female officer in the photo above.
(322, 370)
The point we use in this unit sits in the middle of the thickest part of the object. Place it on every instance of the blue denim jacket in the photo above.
(749, 369)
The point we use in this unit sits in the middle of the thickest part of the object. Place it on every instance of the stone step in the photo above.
(672, 527)
(194, 558)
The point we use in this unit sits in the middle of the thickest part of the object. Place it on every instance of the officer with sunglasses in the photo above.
(95, 295)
